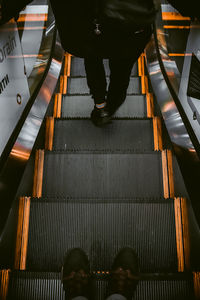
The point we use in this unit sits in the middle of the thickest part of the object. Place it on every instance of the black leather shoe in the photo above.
(100, 116)
(76, 275)
(125, 273)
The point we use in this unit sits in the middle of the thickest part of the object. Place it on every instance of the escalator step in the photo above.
(46, 286)
(102, 229)
(35, 286)
(103, 175)
(81, 107)
(119, 135)
(78, 69)
(79, 86)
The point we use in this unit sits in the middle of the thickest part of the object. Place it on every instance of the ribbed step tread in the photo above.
(81, 107)
(119, 135)
(103, 175)
(48, 286)
(79, 86)
(78, 69)
(102, 229)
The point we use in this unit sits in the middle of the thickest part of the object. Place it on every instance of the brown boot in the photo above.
(125, 273)
(76, 275)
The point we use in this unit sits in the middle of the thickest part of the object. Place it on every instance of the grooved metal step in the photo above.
(103, 175)
(81, 107)
(78, 69)
(102, 229)
(46, 286)
(119, 135)
(79, 86)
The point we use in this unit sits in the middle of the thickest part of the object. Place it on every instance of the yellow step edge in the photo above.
(196, 281)
(38, 174)
(186, 235)
(150, 105)
(55, 108)
(166, 191)
(57, 105)
(179, 234)
(19, 233)
(49, 134)
(157, 129)
(22, 233)
(4, 283)
(141, 69)
(65, 63)
(139, 66)
(144, 84)
(67, 67)
(170, 173)
(168, 176)
(64, 92)
(63, 84)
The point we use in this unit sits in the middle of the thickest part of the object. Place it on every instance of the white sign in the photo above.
(14, 91)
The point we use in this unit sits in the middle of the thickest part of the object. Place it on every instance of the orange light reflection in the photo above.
(32, 18)
(24, 155)
(173, 16)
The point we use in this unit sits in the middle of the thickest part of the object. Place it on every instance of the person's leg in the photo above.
(120, 72)
(96, 78)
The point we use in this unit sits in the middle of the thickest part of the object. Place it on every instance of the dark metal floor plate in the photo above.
(120, 135)
(81, 107)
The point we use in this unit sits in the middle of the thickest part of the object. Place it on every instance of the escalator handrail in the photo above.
(177, 101)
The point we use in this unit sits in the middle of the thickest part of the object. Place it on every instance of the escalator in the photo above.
(102, 189)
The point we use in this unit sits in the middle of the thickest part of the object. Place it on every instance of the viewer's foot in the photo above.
(124, 275)
(75, 274)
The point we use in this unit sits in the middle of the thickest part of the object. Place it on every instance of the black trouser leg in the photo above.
(96, 78)
(120, 72)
